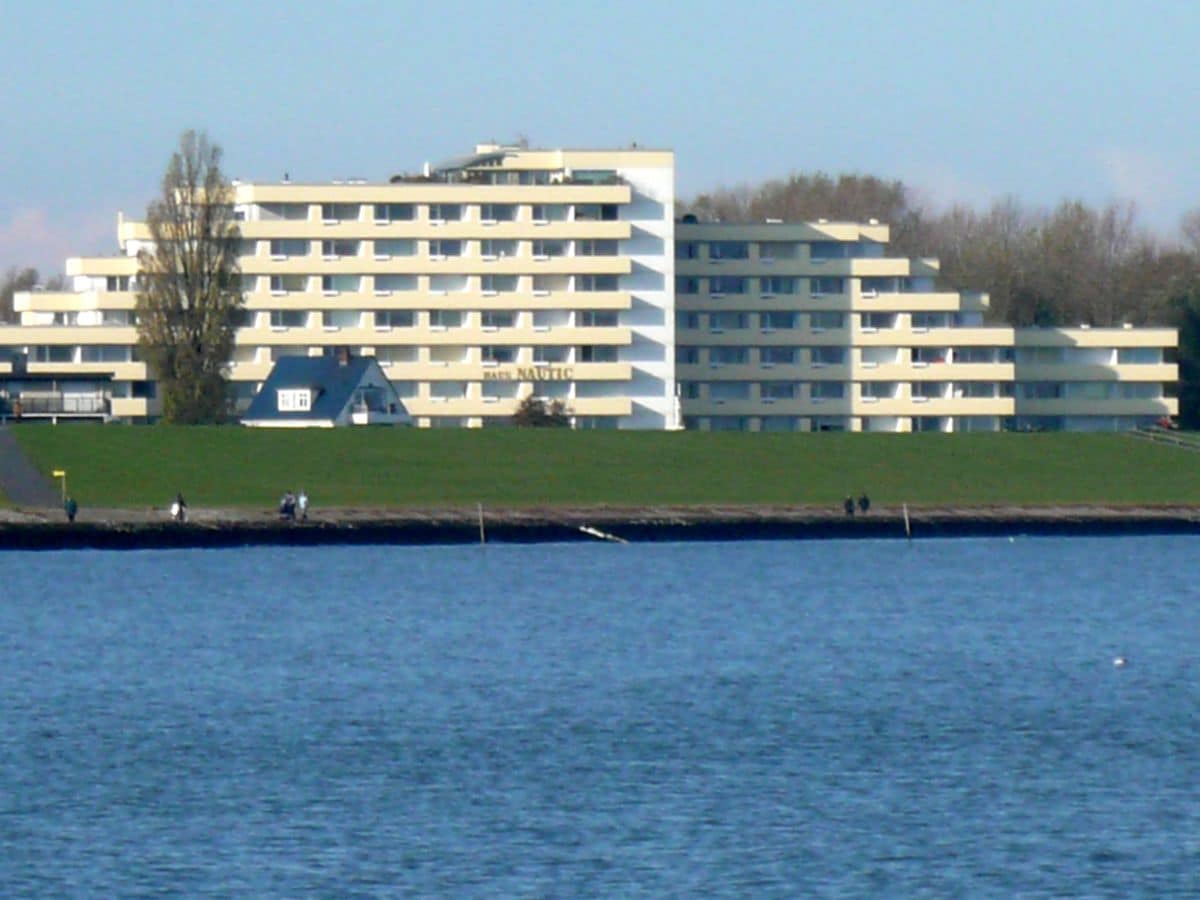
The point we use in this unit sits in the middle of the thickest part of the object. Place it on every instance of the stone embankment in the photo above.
(28, 528)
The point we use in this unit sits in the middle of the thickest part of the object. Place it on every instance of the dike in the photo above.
(150, 529)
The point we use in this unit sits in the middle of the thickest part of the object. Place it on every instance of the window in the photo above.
(339, 212)
(288, 318)
(828, 356)
(498, 212)
(550, 212)
(288, 284)
(495, 354)
(596, 318)
(686, 285)
(544, 354)
(596, 353)
(445, 212)
(493, 319)
(687, 250)
(396, 247)
(820, 286)
(930, 320)
(777, 356)
(105, 353)
(879, 390)
(548, 248)
(589, 247)
(777, 390)
(340, 247)
(289, 247)
(777, 284)
(727, 284)
(492, 249)
(116, 283)
(729, 390)
(395, 282)
(770, 321)
(721, 250)
(440, 247)
(595, 282)
(930, 390)
(341, 283)
(293, 399)
(827, 390)
(290, 212)
(596, 212)
(688, 356)
(927, 355)
(727, 356)
(342, 318)
(445, 318)
(687, 320)
(1139, 355)
(879, 320)
(820, 321)
(494, 284)
(769, 251)
(722, 321)
(52, 354)
(394, 318)
(395, 212)
(1042, 390)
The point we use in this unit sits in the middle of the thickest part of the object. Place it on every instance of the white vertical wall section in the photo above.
(651, 284)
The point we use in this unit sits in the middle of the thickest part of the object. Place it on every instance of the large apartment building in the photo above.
(784, 327)
(563, 274)
(475, 283)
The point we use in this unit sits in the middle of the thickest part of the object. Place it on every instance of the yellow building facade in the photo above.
(563, 274)
(797, 327)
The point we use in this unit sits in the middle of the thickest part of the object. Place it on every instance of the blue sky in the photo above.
(964, 100)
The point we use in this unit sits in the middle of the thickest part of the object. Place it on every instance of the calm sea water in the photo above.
(761, 719)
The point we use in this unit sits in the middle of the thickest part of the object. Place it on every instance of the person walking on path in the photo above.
(302, 505)
(864, 503)
(70, 507)
(179, 508)
(848, 505)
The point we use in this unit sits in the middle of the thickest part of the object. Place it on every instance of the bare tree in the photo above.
(14, 281)
(189, 296)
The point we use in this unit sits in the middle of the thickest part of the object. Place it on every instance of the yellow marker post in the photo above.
(62, 473)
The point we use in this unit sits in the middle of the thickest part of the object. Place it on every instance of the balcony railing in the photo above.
(55, 405)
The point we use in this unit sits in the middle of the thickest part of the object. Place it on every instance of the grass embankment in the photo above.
(241, 467)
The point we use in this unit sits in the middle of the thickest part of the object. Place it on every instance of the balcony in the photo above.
(55, 405)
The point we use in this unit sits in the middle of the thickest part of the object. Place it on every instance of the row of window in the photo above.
(435, 318)
(773, 320)
(455, 353)
(923, 390)
(457, 283)
(386, 213)
(717, 285)
(386, 248)
(766, 251)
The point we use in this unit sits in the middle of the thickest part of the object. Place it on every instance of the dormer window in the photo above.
(294, 399)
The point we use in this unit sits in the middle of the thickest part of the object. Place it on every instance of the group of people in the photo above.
(864, 504)
(293, 505)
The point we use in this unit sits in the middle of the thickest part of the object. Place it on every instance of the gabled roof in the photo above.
(331, 382)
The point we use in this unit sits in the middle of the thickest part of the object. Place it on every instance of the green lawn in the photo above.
(241, 467)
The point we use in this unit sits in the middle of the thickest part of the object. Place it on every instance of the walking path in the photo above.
(20, 482)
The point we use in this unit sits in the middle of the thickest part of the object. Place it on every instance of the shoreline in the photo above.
(47, 529)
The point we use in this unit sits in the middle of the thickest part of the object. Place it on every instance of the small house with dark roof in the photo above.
(326, 392)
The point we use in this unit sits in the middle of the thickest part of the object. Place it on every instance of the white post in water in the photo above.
(907, 526)
(482, 534)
